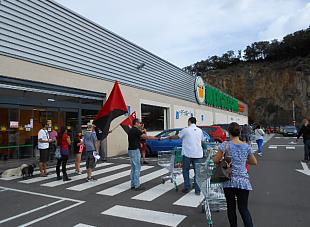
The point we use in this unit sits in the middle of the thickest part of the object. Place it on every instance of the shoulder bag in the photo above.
(222, 171)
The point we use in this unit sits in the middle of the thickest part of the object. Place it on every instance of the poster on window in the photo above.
(182, 114)
(14, 124)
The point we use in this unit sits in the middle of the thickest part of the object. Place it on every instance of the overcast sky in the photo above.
(186, 31)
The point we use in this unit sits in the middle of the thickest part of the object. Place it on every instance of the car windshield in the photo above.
(168, 133)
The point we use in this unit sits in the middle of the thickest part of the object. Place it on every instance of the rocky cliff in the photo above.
(269, 88)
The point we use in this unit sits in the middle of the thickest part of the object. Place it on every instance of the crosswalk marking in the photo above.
(37, 172)
(79, 177)
(126, 185)
(158, 190)
(50, 176)
(104, 180)
(190, 200)
(290, 148)
(83, 225)
(272, 147)
(150, 216)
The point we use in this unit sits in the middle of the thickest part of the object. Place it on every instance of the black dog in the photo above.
(28, 171)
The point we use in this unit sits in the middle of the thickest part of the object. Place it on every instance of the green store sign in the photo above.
(216, 98)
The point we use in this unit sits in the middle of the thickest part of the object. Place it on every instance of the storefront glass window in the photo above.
(154, 117)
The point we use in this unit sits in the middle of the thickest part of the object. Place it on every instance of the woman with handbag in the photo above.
(238, 186)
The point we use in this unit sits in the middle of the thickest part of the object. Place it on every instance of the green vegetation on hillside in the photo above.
(292, 45)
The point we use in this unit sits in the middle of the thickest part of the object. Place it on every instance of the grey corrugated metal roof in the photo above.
(48, 33)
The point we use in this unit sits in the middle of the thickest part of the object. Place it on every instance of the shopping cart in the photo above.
(214, 198)
(172, 161)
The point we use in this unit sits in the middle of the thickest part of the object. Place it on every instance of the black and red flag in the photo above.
(114, 107)
(127, 123)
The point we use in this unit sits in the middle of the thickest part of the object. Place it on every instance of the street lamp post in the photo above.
(294, 113)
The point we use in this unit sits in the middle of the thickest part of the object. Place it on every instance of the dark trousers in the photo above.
(242, 201)
(307, 150)
(63, 162)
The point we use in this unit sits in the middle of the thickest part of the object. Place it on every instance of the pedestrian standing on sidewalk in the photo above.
(192, 139)
(239, 186)
(259, 133)
(134, 137)
(90, 142)
(78, 148)
(65, 142)
(43, 146)
(305, 133)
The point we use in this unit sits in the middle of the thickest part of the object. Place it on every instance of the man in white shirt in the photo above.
(192, 152)
(43, 146)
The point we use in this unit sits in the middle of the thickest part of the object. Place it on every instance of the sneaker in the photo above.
(132, 187)
(185, 190)
(90, 179)
(140, 188)
(260, 154)
(197, 193)
(78, 173)
(67, 179)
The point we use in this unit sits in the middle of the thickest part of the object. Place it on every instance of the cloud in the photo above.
(184, 32)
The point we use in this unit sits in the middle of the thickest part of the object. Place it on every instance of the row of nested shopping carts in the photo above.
(214, 198)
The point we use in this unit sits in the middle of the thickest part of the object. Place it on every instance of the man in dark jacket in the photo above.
(305, 133)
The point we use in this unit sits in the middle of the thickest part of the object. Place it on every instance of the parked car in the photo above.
(217, 132)
(290, 131)
(154, 146)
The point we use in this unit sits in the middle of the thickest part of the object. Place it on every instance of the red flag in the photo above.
(114, 107)
(127, 123)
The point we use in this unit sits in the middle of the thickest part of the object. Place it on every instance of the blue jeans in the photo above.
(260, 145)
(186, 167)
(135, 157)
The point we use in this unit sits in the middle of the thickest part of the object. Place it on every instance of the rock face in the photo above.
(269, 89)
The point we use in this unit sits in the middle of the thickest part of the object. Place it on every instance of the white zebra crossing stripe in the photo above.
(104, 180)
(190, 200)
(50, 176)
(150, 216)
(37, 172)
(158, 190)
(126, 185)
(272, 147)
(290, 148)
(83, 225)
(79, 177)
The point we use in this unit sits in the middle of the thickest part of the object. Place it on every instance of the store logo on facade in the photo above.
(200, 90)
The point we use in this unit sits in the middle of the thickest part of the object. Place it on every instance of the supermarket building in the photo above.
(58, 66)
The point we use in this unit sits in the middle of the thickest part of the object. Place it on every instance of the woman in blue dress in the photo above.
(239, 186)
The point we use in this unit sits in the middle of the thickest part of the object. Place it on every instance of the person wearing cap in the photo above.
(134, 137)
(90, 142)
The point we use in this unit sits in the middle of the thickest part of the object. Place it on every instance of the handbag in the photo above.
(222, 172)
(57, 153)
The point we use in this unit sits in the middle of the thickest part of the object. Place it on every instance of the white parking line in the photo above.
(30, 211)
(150, 216)
(59, 199)
(117, 189)
(272, 147)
